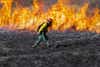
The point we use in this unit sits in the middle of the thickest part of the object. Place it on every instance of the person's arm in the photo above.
(42, 27)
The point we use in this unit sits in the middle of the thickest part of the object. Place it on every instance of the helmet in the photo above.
(50, 20)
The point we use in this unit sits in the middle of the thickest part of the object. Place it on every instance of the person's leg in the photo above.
(45, 38)
(38, 41)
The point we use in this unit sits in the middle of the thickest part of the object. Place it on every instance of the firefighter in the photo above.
(42, 30)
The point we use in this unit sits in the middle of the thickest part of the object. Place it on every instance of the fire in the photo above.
(64, 16)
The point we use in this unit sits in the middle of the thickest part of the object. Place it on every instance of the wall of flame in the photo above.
(65, 15)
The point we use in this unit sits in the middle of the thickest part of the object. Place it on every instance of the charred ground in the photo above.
(69, 49)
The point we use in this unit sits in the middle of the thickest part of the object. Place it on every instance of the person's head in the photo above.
(49, 20)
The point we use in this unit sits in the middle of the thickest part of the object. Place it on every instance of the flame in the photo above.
(64, 16)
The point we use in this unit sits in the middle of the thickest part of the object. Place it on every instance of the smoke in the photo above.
(23, 2)
(92, 3)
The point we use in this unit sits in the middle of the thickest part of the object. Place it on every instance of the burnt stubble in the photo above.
(68, 49)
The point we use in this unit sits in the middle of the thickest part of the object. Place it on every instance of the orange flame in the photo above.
(64, 16)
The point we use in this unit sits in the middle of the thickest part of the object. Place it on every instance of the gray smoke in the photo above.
(93, 3)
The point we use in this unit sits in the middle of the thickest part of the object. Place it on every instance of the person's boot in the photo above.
(35, 45)
(47, 44)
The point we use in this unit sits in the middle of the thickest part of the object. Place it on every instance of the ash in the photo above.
(68, 49)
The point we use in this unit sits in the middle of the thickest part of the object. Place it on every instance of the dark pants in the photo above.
(42, 37)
